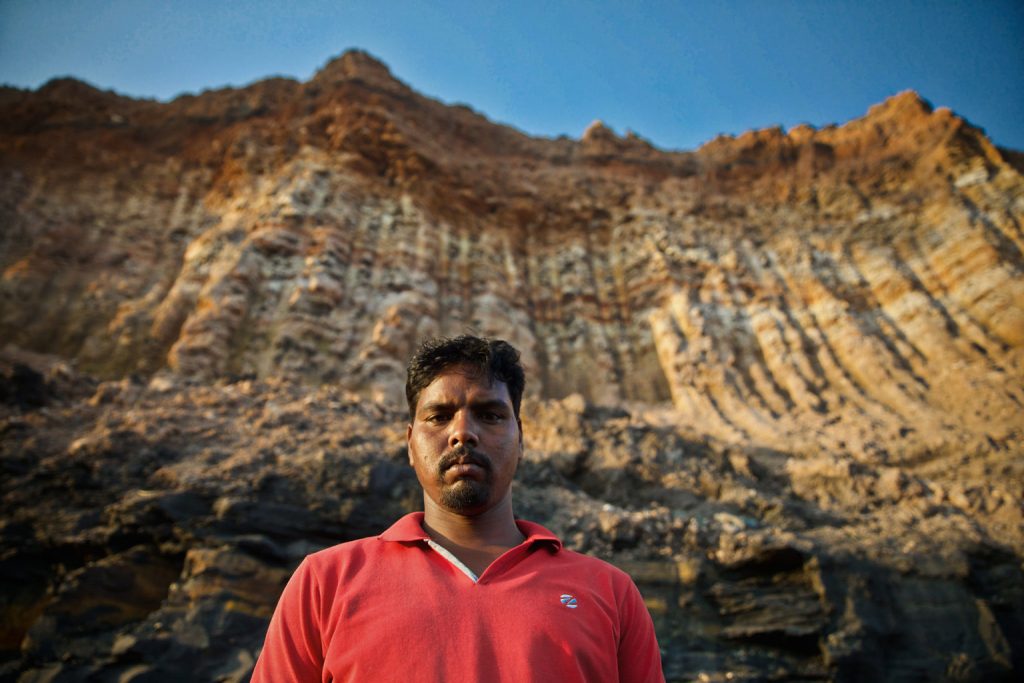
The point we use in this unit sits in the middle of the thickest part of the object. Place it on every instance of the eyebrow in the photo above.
(486, 404)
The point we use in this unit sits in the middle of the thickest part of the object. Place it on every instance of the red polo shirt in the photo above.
(391, 608)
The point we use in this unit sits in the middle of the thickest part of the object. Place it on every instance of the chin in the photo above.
(466, 497)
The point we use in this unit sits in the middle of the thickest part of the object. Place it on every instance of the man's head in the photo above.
(464, 437)
(493, 359)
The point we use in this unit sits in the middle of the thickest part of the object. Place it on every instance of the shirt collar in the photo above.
(409, 529)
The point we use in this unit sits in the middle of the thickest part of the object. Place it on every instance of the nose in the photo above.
(463, 431)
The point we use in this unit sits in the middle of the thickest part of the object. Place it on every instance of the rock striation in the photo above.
(778, 378)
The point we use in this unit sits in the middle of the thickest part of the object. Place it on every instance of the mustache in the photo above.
(464, 454)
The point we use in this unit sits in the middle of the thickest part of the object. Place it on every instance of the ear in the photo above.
(519, 423)
(408, 443)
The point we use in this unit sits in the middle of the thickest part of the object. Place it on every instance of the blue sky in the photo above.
(676, 73)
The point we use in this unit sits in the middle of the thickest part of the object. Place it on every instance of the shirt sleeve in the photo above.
(639, 655)
(293, 649)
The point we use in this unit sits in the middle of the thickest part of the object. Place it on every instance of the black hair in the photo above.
(493, 358)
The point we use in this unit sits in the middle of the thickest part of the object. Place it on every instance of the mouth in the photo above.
(465, 469)
(463, 463)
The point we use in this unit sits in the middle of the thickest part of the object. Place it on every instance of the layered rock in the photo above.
(316, 231)
(783, 370)
(149, 527)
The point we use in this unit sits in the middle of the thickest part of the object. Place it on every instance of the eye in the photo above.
(437, 418)
(491, 416)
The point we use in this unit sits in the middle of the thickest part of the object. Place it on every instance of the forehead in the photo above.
(462, 385)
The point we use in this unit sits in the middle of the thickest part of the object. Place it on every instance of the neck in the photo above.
(487, 534)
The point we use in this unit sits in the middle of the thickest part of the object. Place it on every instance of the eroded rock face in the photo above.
(778, 378)
(149, 527)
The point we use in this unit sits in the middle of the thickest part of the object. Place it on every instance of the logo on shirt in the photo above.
(569, 601)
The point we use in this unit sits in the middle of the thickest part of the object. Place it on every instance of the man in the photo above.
(463, 591)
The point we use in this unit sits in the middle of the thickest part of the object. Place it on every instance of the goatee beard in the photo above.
(465, 495)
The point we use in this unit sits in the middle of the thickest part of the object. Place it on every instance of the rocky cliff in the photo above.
(779, 378)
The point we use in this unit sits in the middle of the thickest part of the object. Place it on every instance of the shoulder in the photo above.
(585, 570)
(594, 565)
(343, 550)
(394, 545)
(351, 556)
(347, 551)
(570, 559)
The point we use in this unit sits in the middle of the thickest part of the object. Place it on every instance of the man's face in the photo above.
(465, 441)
